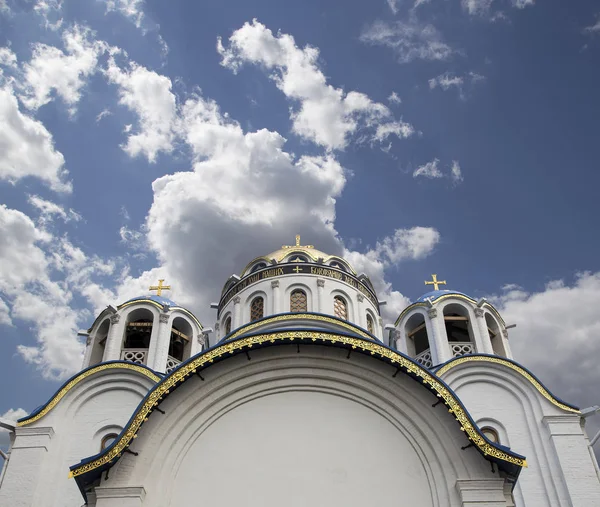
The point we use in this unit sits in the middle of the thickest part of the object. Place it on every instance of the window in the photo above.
(256, 267)
(338, 265)
(298, 301)
(257, 308)
(298, 258)
(227, 325)
(107, 440)
(491, 434)
(340, 309)
(370, 326)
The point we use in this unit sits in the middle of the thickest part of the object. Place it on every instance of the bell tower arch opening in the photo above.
(459, 331)
(417, 340)
(138, 334)
(99, 343)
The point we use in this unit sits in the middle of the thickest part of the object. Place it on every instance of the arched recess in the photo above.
(99, 343)
(293, 303)
(137, 335)
(343, 299)
(270, 394)
(495, 335)
(459, 329)
(226, 324)
(256, 306)
(371, 323)
(417, 340)
(180, 342)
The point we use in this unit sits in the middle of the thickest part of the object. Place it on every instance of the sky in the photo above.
(144, 139)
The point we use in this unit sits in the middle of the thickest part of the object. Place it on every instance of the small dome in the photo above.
(152, 297)
(435, 294)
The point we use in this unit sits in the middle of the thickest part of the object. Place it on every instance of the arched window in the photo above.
(495, 336)
(370, 326)
(338, 265)
(340, 307)
(99, 343)
(458, 330)
(298, 302)
(491, 434)
(256, 267)
(297, 258)
(107, 440)
(227, 326)
(257, 308)
(417, 341)
(137, 336)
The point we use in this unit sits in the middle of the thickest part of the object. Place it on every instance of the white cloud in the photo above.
(394, 98)
(49, 210)
(8, 58)
(483, 7)
(10, 415)
(410, 40)
(595, 28)
(5, 314)
(448, 80)
(455, 172)
(103, 114)
(26, 147)
(48, 10)
(393, 5)
(63, 72)
(131, 9)
(557, 336)
(326, 115)
(404, 244)
(429, 170)
(39, 275)
(149, 96)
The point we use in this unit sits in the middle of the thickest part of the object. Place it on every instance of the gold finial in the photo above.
(297, 245)
(435, 282)
(160, 287)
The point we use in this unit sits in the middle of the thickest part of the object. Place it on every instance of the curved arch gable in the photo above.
(88, 469)
(160, 307)
(524, 372)
(41, 411)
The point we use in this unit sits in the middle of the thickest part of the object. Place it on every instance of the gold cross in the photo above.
(436, 283)
(297, 269)
(297, 245)
(160, 287)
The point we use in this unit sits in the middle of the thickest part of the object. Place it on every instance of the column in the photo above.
(438, 343)
(161, 340)
(397, 342)
(276, 297)
(23, 470)
(574, 458)
(114, 339)
(359, 318)
(483, 342)
(506, 344)
(481, 492)
(320, 295)
(237, 312)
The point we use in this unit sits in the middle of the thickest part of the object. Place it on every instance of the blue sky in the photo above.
(146, 139)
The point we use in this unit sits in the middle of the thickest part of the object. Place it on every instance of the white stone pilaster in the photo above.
(574, 458)
(237, 312)
(161, 337)
(360, 318)
(120, 497)
(438, 342)
(276, 297)
(483, 342)
(506, 344)
(23, 470)
(481, 492)
(114, 340)
(320, 295)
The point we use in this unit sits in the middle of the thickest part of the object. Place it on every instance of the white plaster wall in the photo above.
(97, 406)
(308, 428)
(358, 304)
(497, 396)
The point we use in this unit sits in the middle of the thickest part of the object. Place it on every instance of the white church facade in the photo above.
(301, 396)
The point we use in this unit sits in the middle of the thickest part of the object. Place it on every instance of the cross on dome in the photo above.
(297, 245)
(435, 282)
(160, 287)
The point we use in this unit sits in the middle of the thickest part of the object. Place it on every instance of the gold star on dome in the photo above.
(297, 245)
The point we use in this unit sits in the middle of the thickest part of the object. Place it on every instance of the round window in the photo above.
(491, 434)
(107, 440)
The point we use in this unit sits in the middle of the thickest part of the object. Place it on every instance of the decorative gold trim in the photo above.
(158, 305)
(300, 316)
(82, 376)
(541, 389)
(446, 296)
(302, 250)
(180, 374)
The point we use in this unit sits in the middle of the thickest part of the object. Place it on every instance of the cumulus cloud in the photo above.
(147, 94)
(431, 170)
(7, 58)
(12, 415)
(63, 72)
(557, 336)
(131, 9)
(5, 314)
(394, 98)
(39, 275)
(410, 40)
(49, 210)
(326, 115)
(50, 11)
(27, 148)
(595, 28)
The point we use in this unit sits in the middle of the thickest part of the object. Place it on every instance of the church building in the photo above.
(300, 395)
